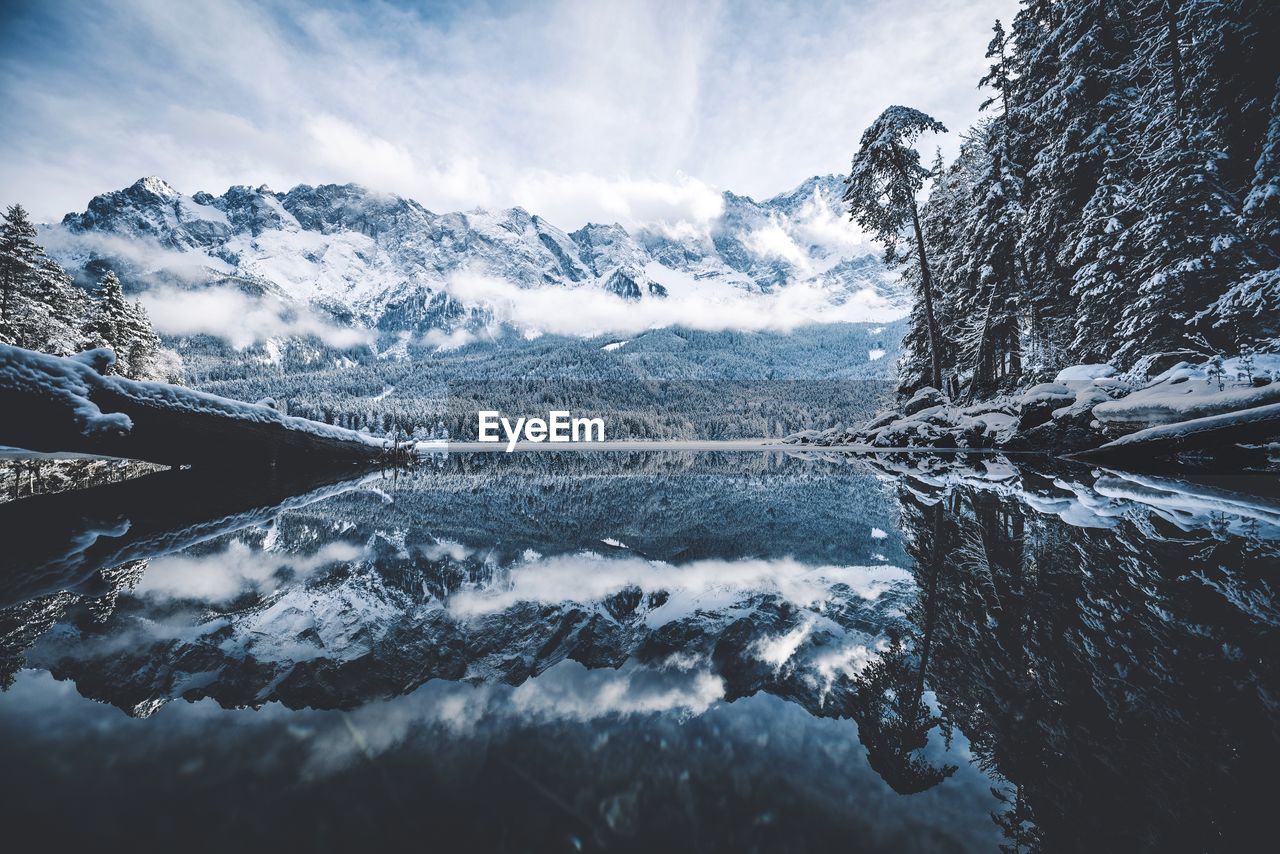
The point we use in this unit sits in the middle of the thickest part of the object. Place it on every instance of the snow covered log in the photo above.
(1215, 432)
(54, 404)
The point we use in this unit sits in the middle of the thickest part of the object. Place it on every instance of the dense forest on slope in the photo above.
(1121, 200)
(41, 308)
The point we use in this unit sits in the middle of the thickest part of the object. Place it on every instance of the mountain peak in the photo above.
(155, 186)
(824, 184)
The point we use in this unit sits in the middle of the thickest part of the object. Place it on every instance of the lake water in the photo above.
(644, 651)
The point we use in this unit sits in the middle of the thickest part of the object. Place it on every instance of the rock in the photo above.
(1036, 413)
(804, 437)
(1038, 403)
(923, 399)
(1069, 433)
(884, 419)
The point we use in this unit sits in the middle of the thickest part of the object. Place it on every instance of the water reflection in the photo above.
(1107, 643)
(751, 651)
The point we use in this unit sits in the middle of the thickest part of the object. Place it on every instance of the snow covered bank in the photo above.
(1206, 408)
(53, 404)
(1096, 498)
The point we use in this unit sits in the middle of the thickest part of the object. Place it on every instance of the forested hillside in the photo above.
(1122, 198)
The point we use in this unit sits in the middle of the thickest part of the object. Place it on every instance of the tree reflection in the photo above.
(1120, 679)
(888, 701)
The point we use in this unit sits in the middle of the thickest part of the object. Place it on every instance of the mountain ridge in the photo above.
(385, 261)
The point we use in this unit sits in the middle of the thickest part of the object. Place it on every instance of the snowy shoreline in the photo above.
(1226, 408)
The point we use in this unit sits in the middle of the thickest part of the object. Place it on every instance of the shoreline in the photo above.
(709, 445)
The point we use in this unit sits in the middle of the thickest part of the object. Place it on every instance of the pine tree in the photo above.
(141, 345)
(1123, 202)
(112, 320)
(994, 232)
(19, 259)
(881, 190)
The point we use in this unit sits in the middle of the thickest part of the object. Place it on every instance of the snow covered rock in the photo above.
(923, 399)
(1037, 404)
(804, 437)
(1070, 429)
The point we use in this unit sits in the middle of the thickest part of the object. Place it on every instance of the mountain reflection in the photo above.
(1092, 650)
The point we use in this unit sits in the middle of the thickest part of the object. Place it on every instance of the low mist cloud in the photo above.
(679, 208)
(701, 585)
(240, 319)
(587, 311)
(441, 340)
(74, 249)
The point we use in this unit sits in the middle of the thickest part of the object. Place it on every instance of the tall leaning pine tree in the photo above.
(881, 190)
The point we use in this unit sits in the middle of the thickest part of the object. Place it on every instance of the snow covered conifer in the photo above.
(19, 257)
(112, 320)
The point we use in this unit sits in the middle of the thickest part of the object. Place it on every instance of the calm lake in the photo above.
(746, 651)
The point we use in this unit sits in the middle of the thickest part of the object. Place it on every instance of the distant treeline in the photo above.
(663, 384)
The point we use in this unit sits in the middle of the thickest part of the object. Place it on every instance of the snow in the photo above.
(1111, 498)
(71, 382)
(189, 209)
(1190, 505)
(1046, 392)
(159, 186)
(1084, 373)
(67, 381)
(616, 345)
(872, 355)
(1186, 392)
(1186, 429)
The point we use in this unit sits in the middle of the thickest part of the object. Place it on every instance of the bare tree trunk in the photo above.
(935, 357)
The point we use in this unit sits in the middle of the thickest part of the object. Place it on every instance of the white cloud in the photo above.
(239, 319)
(73, 249)
(772, 241)
(706, 585)
(678, 207)
(587, 311)
(567, 691)
(574, 109)
(445, 341)
(366, 158)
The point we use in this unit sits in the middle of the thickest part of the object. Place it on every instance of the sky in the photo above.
(579, 111)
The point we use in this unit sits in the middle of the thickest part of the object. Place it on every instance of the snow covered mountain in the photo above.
(384, 261)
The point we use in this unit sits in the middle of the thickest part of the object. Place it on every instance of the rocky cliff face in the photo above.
(383, 260)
